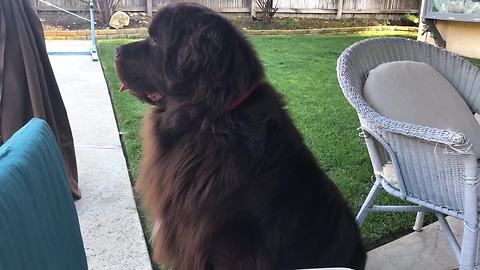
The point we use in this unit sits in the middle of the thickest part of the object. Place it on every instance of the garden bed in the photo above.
(142, 32)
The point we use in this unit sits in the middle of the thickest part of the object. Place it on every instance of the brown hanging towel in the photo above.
(27, 85)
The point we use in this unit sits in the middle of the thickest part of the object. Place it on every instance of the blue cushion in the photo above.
(39, 226)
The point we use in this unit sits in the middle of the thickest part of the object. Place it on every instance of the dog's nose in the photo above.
(117, 52)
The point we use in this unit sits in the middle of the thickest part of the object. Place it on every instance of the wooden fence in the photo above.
(285, 7)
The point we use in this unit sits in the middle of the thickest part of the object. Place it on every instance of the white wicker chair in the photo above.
(436, 170)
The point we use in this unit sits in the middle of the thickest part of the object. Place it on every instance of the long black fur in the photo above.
(228, 189)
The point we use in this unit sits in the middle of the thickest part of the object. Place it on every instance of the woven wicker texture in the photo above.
(434, 168)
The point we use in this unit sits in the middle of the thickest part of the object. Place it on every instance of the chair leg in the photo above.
(451, 238)
(367, 204)
(419, 221)
(470, 227)
(469, 248)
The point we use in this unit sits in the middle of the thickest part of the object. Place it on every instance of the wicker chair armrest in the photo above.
(377, 121)
(425, 170)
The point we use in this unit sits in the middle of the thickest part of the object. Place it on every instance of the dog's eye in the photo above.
(153, 41)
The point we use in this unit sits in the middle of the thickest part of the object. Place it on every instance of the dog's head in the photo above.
(192, 58)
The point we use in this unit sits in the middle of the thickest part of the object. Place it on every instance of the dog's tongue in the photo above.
(123, 88)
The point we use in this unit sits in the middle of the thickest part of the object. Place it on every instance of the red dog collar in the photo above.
(236, 103)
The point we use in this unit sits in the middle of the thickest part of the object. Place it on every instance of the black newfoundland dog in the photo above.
(226, 176)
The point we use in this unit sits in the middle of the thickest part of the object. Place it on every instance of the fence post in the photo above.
(339, 9)
(34, 5)
(253, 13)
(150, 8)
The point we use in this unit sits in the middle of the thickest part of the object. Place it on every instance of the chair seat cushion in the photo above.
(416, 93)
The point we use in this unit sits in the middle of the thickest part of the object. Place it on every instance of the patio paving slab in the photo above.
(109, 220)
(60, 46)
(428, 249)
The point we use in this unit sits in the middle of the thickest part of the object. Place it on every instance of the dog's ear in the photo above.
(204, 61)
(207, 61)
(215, 62)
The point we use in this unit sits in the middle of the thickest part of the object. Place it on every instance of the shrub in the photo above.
(290, 23)
(411, 18)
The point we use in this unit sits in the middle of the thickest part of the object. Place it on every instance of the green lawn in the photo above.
(303, 69)
(475, 61)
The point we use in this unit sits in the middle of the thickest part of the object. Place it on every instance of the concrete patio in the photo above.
(109, 220)
(428, 249)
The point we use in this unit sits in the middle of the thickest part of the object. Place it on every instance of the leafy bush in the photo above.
(411, 18)
(290, 23)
